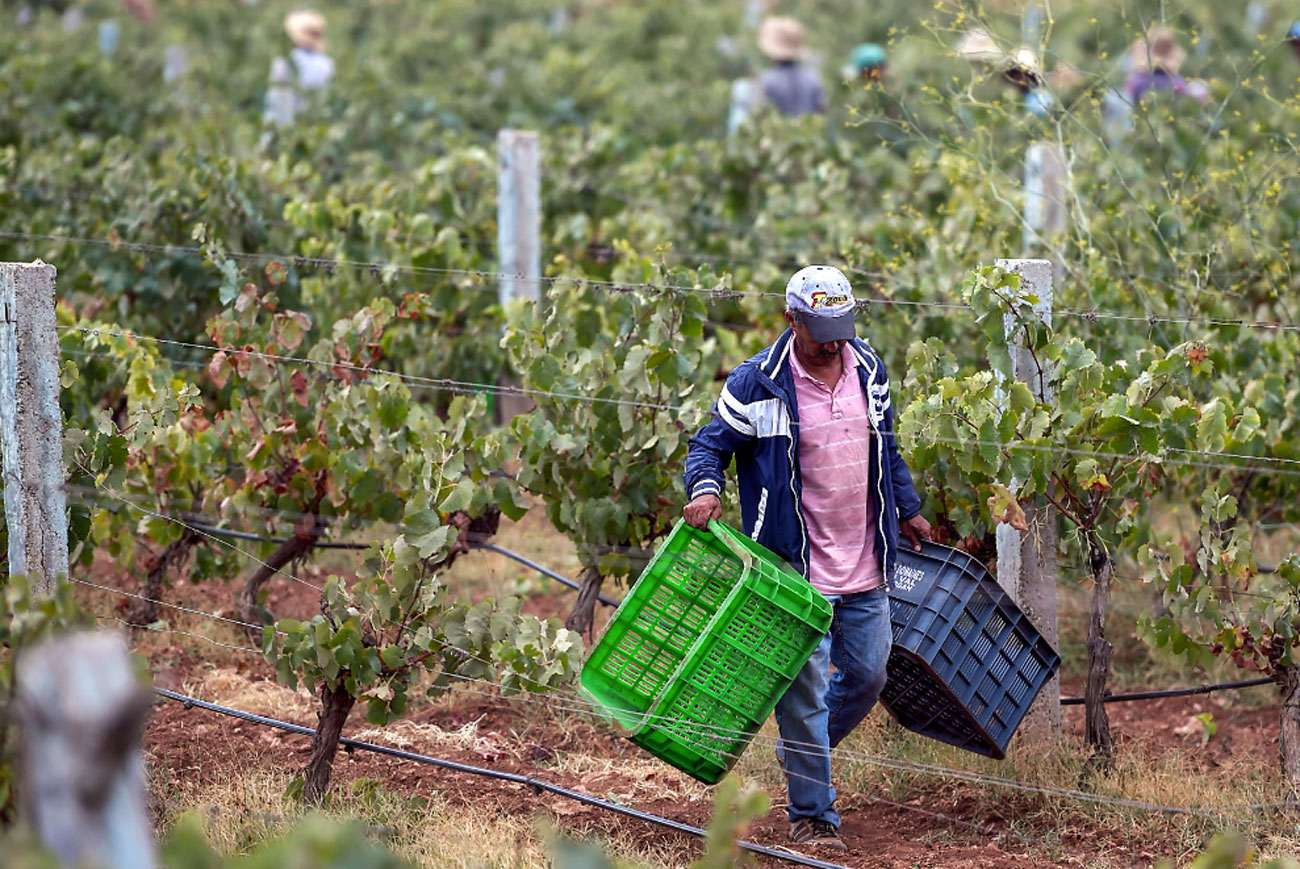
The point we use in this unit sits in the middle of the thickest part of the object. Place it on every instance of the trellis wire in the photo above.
(721, 292)
(160, 630)
(163, 603)
(472, 388)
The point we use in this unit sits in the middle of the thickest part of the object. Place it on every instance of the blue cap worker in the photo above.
(867, 63)
(1293, 37)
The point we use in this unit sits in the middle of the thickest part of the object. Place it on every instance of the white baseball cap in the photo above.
(823, 299)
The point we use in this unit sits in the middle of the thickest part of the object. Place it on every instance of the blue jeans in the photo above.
(820, 709)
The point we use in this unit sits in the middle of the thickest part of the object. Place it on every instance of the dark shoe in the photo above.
(814, 831)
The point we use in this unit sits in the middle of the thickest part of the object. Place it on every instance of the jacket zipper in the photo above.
(789, 452)
(880, 506)
(798, 507)
(880, 483)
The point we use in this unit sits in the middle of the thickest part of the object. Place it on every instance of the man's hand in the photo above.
(702, 509)
(915, 530)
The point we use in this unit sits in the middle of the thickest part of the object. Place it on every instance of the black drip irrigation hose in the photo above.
(1173, 692)
(258, 538)
(537, 785)
(501, 550)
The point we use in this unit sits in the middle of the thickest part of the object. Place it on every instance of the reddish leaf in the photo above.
(217, 369)
(257, 448)
(275, 273)
(246, 298)
(299, 382)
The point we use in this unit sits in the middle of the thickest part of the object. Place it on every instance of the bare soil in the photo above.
(947, 825)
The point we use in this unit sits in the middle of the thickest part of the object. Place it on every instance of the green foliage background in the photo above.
(368, 230)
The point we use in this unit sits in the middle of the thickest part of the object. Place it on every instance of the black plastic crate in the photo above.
(966, 662)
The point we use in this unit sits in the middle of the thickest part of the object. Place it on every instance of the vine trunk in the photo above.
(584, 608)
(1289, 680)
(1097, 725)
(297, 546)
(144, 610)
(335, 706)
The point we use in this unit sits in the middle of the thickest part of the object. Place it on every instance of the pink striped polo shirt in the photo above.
(835, 463)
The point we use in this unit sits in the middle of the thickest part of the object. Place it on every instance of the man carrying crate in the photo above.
(811, 427)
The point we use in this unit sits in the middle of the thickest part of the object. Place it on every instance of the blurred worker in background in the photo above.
(308, 69)
(314, 68)
(810, 425)
(789, 84)
(867, 63)
(1293, 38)
(978, 47)
(1155, 61)
(1023, 72)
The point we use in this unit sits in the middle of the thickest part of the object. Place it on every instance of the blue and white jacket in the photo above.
(756, 420)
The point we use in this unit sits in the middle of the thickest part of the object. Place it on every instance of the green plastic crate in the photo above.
(703, 647)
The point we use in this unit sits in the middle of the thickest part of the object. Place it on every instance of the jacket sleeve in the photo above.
(709, 452)
(905, 496)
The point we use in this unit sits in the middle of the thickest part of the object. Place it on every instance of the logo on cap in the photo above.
(823, 299)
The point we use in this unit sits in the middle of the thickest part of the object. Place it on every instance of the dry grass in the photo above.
(1140, 773)
(228, 687)
(241, 813)
(407, 734)
(633, 779)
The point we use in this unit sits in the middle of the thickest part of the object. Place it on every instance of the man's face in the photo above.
(809, 350)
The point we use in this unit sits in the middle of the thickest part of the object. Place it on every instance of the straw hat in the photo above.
(306, 29)
(978, 46)
(1023, 68)
(781, 38)
(1158, 50)
(1024, 60)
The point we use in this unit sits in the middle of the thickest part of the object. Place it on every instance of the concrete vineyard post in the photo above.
(109, 33)
(742, 104)
(281, 98)
(176, 62)
(1045, 204)
(519, 248)
(81, 712)
(31, 425)
(1031, 24)
(518, 215)
(1027, 559)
